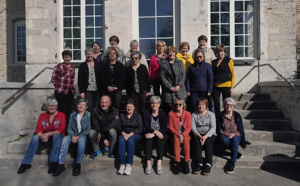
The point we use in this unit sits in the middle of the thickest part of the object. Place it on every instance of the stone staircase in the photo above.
(273, 143)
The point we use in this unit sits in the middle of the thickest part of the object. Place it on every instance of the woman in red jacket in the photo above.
(180, 124)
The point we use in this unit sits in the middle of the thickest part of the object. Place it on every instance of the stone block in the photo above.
(34, 13)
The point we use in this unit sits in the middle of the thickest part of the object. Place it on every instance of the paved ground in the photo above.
(107, 176)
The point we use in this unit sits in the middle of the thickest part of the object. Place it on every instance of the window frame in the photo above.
(232, 31)
(176, 23)
(19, 23)
(83, 28)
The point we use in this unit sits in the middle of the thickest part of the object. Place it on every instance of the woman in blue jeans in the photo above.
(78, 128)
(130, 127)
(230, 130)
(50, 130)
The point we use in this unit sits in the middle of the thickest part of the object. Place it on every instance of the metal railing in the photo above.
(267, 64)
(11, 98)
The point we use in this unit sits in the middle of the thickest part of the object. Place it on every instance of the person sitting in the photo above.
(134, 46)
(50, 130)
(180, 125)
(231, 133)
(78, 128)
(204, 129)
(156, 125)
(130, 128)
(104, 123)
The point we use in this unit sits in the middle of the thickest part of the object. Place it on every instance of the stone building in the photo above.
(33, 33)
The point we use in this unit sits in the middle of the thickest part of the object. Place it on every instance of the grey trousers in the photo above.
(112, 138)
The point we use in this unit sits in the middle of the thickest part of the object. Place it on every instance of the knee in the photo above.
(121, 139)
(66, 140)
(92, 133)
(82, 140)
(236, 140)
(58, 137)
(112, 132)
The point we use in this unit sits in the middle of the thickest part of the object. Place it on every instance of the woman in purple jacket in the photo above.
(156, 125)
(199, 81)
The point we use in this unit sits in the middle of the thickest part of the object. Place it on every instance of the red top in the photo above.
(186, 119)
(44, 125)
(154, 71)
(63, 78)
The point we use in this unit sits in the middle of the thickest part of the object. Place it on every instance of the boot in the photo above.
(186, 169)
(76, 169)
(52, 167)
(177, 168)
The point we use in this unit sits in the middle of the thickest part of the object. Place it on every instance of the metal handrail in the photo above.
(11, 98)
(267, 64)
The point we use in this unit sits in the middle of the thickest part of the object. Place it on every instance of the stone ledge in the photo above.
(11, 85)
(279, 83)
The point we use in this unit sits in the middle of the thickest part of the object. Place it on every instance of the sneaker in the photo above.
(76, 169)
(148, 169)
(96, 154)
(60, 168)
(128, 169)
(239, 155)
(206, 169)
(186, 169)
(230, 168)
(159, 170)
(106, 153)
(52, 167)
(198, 168)
(111, 155)
(23, 168)
(121, 170)
(177, 168)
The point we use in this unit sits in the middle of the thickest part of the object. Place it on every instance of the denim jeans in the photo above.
(231, 144)
(128, 145)
(65, 146)
(36, 142)
(195, 96)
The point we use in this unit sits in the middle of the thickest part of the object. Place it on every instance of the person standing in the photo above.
(63, 81)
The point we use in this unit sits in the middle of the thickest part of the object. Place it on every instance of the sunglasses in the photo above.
(134, 58)
(177, 104)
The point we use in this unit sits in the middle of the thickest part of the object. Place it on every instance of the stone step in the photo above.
(277, 136)
(260, 114)
(261, 144)
(251, 97)
(253, 162)
(267, 124)
(255, 105)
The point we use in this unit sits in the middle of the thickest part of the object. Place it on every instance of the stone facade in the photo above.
(3, 44)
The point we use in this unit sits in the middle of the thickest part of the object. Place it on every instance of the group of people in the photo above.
(189, 84)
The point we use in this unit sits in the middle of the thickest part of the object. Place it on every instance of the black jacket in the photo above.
(239, 123)
(102, 121)
(142, 76)
(163, 122)
(222, 72)
(134, 124)
(117, 78)
(83, 76)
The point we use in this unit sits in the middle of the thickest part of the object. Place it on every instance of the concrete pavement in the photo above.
(107, 176)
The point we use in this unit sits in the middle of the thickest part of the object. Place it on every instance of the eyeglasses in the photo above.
(52, 105)
(229, 105)
(154, 103)
(199, 56)
(134, 58)
(177, 104)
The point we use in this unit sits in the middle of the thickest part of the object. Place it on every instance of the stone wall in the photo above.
(42, 35)
(277, 38)
(3, 47)
(287, 99)
(298, 36)
(16, 74)
(26, 107)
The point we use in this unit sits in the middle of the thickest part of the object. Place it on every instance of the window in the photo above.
(20, 39)
(83, 23)
(233, 24)
(156, 21)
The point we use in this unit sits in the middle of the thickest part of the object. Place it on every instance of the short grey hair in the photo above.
(229, 99)
(82, 100)
(155, 98)
(134, 41)
(52, 100)
(88, 49)
(138, 53)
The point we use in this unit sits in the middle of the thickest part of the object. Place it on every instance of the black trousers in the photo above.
(93, 98)
(216, 97)
(65, 103)
(159, 144)
(139, 101)
(156, 83)
(208, 147)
